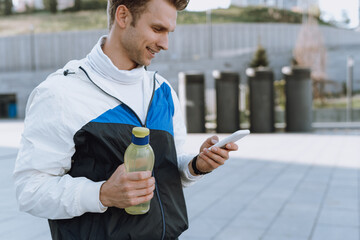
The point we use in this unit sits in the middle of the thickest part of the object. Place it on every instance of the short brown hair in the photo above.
(137, 7)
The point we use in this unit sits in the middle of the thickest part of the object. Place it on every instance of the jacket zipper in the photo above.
(143, 125)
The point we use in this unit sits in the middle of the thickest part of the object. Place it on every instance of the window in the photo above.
(8, 106)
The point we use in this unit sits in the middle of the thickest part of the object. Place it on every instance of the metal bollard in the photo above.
(349, 87)
(227, 101)
(261, 86)
(298, 91)
(192, 97)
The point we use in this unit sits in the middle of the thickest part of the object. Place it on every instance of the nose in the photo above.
(163, 42)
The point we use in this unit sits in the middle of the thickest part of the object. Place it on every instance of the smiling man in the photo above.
(134, 40)
(78, 125)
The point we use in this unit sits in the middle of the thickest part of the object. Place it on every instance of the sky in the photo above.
(331, 9)
(335, 8)
(198, 5)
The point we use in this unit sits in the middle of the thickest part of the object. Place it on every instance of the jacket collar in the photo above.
(102, 65)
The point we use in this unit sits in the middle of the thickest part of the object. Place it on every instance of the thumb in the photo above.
(120, 170)
(209, 142)
(213, 140)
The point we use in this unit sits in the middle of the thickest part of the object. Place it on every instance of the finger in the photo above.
(231, 147)
(141, 175)
(209, 162)
(219, 152)
(209, 142)
(141, 199)
(143, 184)
(120, 169)
(215, 157)
(214, 139)
(140, 192)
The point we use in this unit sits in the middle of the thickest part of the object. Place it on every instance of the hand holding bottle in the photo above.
(131, 185)
(125, 189)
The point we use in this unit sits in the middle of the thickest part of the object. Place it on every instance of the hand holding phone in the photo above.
(236, 136)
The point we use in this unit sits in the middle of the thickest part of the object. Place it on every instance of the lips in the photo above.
(152, 51)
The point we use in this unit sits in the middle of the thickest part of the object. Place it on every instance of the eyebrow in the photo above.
(162, 28)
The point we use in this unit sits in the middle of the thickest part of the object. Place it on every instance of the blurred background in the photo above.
(217, 46)
(272, 66)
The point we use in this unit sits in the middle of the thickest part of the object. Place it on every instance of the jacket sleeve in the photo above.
(187, 179)
(43, 187)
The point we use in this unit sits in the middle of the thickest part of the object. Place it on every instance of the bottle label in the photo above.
(140, 141)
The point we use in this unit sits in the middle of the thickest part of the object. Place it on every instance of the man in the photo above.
(78, 124)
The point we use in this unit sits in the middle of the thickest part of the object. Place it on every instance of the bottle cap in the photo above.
(140, 132)
(140, 136)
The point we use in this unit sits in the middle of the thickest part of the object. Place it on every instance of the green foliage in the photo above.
(336, 102)
(71, 19)
(279, 90)
(51, 5)
(185, 17)
(87, 5)
(8, 7)
(77, 5)
(260, 58)
(30, 9)
(242, 14)
(94, 4)
(328, 102)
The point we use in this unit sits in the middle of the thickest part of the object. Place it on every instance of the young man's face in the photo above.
(150, 34)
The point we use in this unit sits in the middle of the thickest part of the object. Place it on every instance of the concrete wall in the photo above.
(27, 59)
(21, 84)
(189, 42)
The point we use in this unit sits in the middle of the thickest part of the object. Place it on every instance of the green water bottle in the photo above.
(139, 156)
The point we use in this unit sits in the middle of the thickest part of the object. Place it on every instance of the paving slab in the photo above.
(331, 232)
(280, 186)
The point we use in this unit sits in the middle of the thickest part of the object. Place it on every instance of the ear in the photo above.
(122, 16)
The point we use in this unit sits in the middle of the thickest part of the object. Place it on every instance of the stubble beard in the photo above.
(135, 52)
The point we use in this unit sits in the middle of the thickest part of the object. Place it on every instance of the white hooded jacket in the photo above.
(56, 110)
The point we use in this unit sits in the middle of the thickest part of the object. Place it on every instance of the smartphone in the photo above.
(236, 136)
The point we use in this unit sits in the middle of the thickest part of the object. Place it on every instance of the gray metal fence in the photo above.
(53, 50)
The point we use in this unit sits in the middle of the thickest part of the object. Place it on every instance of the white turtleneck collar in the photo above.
(132, 87)
(103, 66)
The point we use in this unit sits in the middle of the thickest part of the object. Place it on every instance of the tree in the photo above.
(51, 5)
(77, 5)
(345, 17)
(310, 52)
(260, 58)
(8, 7)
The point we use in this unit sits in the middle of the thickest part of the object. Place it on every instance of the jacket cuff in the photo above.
(90, 198)
(191, 177)
(187, 179)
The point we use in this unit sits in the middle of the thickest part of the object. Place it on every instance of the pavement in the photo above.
(279, 186)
